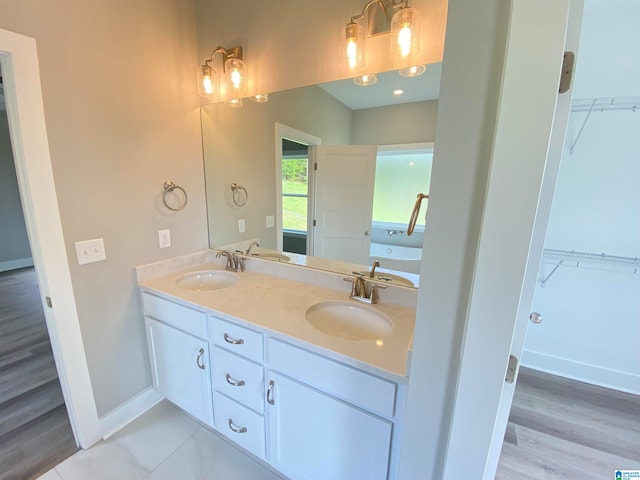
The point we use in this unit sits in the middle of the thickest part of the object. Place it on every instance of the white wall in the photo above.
(122, 114)
(14, 243)
(590, 327)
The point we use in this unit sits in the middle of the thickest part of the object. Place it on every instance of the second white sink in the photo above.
(349, 320)
(206, 280)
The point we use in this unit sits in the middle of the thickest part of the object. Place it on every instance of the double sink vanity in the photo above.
(283, 361)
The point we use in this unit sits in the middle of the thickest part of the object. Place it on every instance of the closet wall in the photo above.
(591, 313)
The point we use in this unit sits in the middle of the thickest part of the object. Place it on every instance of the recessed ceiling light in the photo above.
(366, 80)
(398, 91)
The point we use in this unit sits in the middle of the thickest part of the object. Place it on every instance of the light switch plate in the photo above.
(89, 251)
(164, 238)
(271, 220)
(241, 226)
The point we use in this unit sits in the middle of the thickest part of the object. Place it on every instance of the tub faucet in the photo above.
(248, 252)
(374, 265)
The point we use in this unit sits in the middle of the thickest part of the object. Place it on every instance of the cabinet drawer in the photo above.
(235, 338)
(238, 378)
(240, 424)
(347, 383)
(183, 318)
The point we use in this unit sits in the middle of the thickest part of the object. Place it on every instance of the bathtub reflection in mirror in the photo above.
(298, 127)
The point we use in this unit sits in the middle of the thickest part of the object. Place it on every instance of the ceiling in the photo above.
(423, 87)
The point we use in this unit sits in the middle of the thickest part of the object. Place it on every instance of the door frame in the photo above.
(27, 128)
(522, 176)
(290, 133)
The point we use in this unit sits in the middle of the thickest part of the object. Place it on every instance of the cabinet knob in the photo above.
(200, 359)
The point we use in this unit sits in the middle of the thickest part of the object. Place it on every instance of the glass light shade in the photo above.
(236, 77)
(260, 97)
(366, 79)
(353, 46)
(235, 102)
(412, 71)
(405, 34)
(207, 82)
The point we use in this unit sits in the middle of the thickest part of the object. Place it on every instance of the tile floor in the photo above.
(163, 444)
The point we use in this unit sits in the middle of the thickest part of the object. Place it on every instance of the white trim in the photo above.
(27, 128)
(582, 372)
(509, 252)
(421, 147)
(129, 411)
(283, 131)
(15, 264)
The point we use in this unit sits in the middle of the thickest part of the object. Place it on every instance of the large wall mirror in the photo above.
(373, 154)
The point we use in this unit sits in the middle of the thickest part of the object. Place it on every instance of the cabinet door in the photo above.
(181, 369)
(316, 437)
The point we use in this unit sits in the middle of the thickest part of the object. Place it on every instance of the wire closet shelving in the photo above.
(577, 259)
(602, 104)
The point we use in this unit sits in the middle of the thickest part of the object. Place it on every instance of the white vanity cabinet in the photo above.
(238, 382)
(321, 417)
(179, 360)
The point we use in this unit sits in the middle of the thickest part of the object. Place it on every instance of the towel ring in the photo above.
(415, 212)
(235, 189)
(169, 187)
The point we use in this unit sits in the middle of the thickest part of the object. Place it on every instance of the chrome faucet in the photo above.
(248, 252)
(358, 287)
(234, 263)
(374, 265)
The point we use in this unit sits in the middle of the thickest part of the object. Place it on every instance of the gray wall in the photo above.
(14, 243)
(395, 124)
(122, 113)
(239, 146)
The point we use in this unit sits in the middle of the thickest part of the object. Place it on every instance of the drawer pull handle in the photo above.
(235, 383)
(233, 341)
(234, 428)
(270, 399)
(200, 359)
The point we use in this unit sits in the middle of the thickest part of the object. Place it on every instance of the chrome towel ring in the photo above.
(169, 187)
(239, 194)
(415, 212)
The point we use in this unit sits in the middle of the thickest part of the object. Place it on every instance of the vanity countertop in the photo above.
(279, 305)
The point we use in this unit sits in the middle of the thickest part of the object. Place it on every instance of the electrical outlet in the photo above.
(89, 251)
(164, 238)
(271, 221)
(241, 226)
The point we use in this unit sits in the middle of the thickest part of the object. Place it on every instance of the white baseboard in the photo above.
(128, 412)
(593, 374)
(15, 264)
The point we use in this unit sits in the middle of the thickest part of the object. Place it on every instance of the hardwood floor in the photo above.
(35, 433)
(563, 429)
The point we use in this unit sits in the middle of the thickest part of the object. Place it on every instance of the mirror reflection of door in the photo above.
(344, 201)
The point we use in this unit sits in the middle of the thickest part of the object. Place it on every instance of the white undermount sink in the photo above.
(349, 320)
(272, 256)
(206, 280)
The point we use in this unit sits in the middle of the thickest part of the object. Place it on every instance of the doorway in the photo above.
(582, 384)
(35, 432)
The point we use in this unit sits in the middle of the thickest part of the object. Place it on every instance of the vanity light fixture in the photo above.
(366, 79)
(412, 71)
(404, 26)
(234, 75)
(260, 97)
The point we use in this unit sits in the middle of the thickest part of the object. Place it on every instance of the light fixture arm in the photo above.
(235, 52)
(394, 4)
